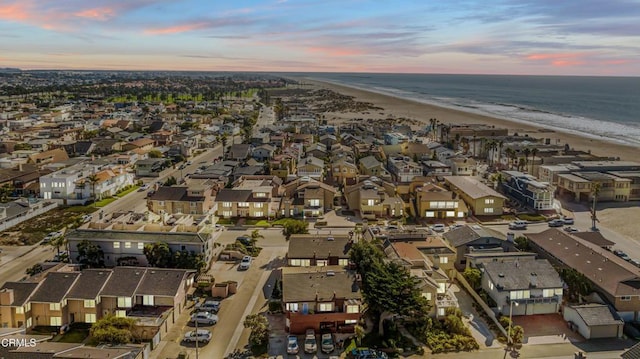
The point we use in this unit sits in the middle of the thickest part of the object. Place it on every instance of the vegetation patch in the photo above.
(104, 202)
(532, 217)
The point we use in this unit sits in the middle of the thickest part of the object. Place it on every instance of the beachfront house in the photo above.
(481, 199)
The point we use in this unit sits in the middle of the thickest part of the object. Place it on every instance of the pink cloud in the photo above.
(176, 29)
(334, 51)
(14, 12)
(559, 59)
(102, 13)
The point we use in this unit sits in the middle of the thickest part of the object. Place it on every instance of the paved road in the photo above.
(266, 117)
(13, 268)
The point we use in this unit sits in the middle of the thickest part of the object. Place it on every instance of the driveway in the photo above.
(479, 328)
(546, 329)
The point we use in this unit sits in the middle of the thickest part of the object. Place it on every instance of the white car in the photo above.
(204, 318)
(518, 225)
(292, 345)
(143, 188)
(326, 343)
(202, 335)
(439, 227)
(245, 263)
(87, 218)
(310, 344)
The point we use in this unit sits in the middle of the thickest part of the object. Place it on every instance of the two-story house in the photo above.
(307, 197)
(481, 199)
(435, 202)
(470, 238)
(15, 308)
(374, 198)
(307, 250)
(370, 166)
(311, 167)
(83, 300)
(48, 303)
(403, 169)
(196, 199)
(117, 297)
(533, 285)
(343, 171)
(250, 197)
(324, 298)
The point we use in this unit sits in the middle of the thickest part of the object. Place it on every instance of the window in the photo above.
(314, 203)
(29, 322)
(226, 204)
(260, 195)
(300, 262)
(90, 318)
(258, 214)
(430, 214)
(227, 213)
(371, 202)
(488, 201)
(243, 204)
(147, 300)
(343, 262)
(19, 310)
(546, 293)
(54, 306)
(193, 204)
(353, 308)
(27, 307)
(491, 285)
(444, 260)
(440, 311)
(124, 302)
(325, 307)
(116, 245)
(90, 303)
(161, 203)
(127, 244)
(427, 295)
(121, 313)
(321, 263)
(451, 213)
(488, 210)
(625, 298)
(442, 288)
(258, 205)
(292, 307)
(140, 245)
(55, 321)
(451, 204)
(460, 214)
(350, 321)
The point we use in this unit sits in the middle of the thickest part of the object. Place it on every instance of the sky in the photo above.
(537, 37)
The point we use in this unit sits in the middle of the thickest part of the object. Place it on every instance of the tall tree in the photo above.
(93, 179)
(158, 254)
(90, 255)
(294, 226)
(595, 191)
(526, 152)
(259, 326)
(534, 152)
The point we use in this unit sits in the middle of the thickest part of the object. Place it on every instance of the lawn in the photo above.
(76, 335)
(127, 191)
(105, 201)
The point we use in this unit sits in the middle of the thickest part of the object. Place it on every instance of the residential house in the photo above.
(317, 150)
(438, 252)
(307, 250)
(263, 152)
(144, 144)
(283, 165)
(481, 199)
(15, 308)
(151, 167)
(52, 156)
(196, 199)
(260, 138)
(403, 169)
(117, 297)
(374, 198)
(328, 140)
(477, 259)
(48, 304)
(436, 168)
(579, 186)
(311, 167)
(162, 138)
(105, 183)
(463, 166)
(343, 172)
(124, 243)
(251, 197)
(394, 138)
(594, 321)
(433, 201)
(307, 197)
(528, 191)
(238, 152)
(83, 299)
(614, 278)
(370, 166)
(324, 298)
(164, 288)
(474, 238)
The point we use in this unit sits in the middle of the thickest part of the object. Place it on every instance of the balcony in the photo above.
(537, 300)
(447, 300)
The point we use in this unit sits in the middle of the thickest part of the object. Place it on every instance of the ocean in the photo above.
(605, 108)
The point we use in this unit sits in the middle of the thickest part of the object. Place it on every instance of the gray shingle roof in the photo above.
(632, 353)
(21, 291)
(162, 282)
(594, 237)
(54, 287)
(89, 284)
(467, 234)
(231, 195)
(123, 282)
(111, 235)
(308, 246)
(516, 275)
(303, 284)
(597, 314)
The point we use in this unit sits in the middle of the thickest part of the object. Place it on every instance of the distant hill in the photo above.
(10, 69)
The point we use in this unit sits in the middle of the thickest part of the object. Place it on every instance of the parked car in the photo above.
(570, 229)
(439, 227)
(567, 220)
(143, 188)
(201, 336)
(366, 353)
(204, 318)
(87, 218)
(635, 262)
(310, 344)
(245, 240)
(292, 345)
(327, 344)
(622, 254)
(245, 263)
(556, 223)
(518, 225)
(212, 306)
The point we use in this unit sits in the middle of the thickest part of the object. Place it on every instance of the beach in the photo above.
(394, 107)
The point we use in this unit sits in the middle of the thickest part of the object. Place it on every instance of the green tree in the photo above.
(255, 235)
(90, 254)
(158, 254)
(473, 276)
(522, 243)
(294, 226)
(22, 146)
(595, 192)
(155, 154)
(259, 326)
(34, 269)
(93, 179)
(171, 181)
(360, 333)
(188, 260)
(113, 330)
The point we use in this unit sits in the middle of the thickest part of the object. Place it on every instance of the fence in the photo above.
(481, 302)
(15, 221)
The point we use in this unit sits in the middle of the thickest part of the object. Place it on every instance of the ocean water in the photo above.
(605, 108)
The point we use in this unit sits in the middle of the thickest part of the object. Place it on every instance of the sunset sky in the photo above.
(555, 37)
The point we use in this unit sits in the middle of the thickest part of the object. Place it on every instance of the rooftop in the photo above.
(310, 246)
(305, 284)
(519, 275)
(473, 187)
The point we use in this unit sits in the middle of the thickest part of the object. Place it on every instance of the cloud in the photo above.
(101, 14)
(335, 51)
(202, 24)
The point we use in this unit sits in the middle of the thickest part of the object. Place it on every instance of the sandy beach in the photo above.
(402, 108)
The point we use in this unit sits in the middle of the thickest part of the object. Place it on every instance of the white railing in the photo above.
(15, 221)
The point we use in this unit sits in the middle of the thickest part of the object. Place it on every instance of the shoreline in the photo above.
(399, 107)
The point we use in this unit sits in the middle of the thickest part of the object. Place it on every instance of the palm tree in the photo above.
(93, 179)
(595, 191)
(224, 144)
(474, 144)
(488, 147)
(500, 144)
(526, 153)
(521, 163)
(534, 152)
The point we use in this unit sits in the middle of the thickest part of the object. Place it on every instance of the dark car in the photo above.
(366, 353)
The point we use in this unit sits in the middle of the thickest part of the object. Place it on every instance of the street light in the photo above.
(509, 340)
